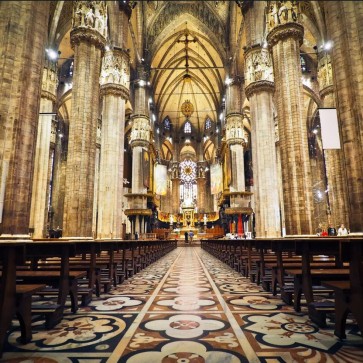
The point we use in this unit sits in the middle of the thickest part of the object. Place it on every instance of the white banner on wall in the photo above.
(329, 128)
(160, 179)
(216, 178)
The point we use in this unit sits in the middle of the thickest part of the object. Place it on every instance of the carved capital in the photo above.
(175, 170)
(87, 35)
(236, 141)
(139, 142)
(258, 65)
(48, 95)
(140, 132)
(285, 31)
(90, 15)
(116, 90)
(116, 68)
(282, 12)
(235, 133)
(49, 83)
(260, 86)
(325, 71)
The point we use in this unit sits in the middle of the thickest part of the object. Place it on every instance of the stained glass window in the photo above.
(208, 123)
(167, 123)
(187, 128)
(188, 187)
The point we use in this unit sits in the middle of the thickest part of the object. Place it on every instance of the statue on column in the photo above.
(91, 14)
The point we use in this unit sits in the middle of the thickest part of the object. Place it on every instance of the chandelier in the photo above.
(187, 108)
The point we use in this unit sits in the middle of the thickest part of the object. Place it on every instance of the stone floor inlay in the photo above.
(188, 307)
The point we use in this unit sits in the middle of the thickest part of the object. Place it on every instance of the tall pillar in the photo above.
(202, 188)
(284, 38)
(235, 136)
(337, 190)
(259, 89)
(140, 141)
(115, 90)
(175, 180)
(23, 31)
(344, 25)
(88, 41)
(38, 210)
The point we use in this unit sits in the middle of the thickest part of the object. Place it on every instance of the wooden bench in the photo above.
(24, 295)
(54, 313)
(348, 295)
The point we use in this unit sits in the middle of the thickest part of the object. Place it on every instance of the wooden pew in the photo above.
(349, 293)
(37, 250)
(10, 253)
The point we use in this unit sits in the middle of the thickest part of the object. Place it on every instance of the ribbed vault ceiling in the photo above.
(187, 67)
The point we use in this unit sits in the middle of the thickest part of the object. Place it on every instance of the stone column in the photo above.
(284, 38)
(337, 189)
(88, 41)
(259, 90)
(344, 26)
(38, 210)
(23, 31)
(175, 179)
(235, 136)
(202, 187)
(140, 141)
(115, 90)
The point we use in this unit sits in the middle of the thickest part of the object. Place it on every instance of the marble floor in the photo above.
(186, 308)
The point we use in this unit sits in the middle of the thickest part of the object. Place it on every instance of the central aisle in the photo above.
(185, 320)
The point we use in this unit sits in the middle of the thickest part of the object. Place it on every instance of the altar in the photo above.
(188, 217)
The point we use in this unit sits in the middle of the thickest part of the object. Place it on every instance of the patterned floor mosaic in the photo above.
(186, 308)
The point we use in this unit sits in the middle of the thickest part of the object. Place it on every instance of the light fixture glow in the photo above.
(52, 54)
(228, 81)
(328, 45)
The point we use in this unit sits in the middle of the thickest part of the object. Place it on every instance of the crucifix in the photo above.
(186, 41)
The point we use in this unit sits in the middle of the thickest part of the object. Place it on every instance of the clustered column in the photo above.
(259, 90)
(284, 38)
(175, 180)
(23, 31)
(333, 158)
(41, 168)
(88, 41)
(140, 141)
(202, 187)
(235, 137)
(115, 90)
(344, 25)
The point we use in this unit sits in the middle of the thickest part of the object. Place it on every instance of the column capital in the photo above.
(285, 31)
(49, 81)
(235, 129)
(140, 133)
(174, 173)
(325, 73)
(258, 65)
(115, 72)
(87, 35)
(115, 90)
(258, 87)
